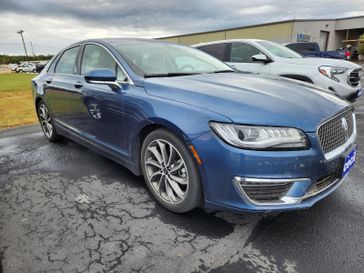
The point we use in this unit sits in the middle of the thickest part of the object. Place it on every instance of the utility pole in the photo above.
(25, 48)
(31, 46)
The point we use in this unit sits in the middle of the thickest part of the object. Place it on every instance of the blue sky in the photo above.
(53, 24)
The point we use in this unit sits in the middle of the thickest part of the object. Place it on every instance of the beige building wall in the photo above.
(283, 32)
(280, 32)
(203, 37)
(350, 23)
(171, 40)
(313, 28)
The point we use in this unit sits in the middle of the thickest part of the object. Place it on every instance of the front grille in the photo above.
(336, 131)
(265, 191)
(321, 184)
(354, 78)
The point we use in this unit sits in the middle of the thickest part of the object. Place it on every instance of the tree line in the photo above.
(7, 59)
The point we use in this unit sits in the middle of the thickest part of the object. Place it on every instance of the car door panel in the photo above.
(57, 95)
(97, 113)
(97, 109)
(57, 85)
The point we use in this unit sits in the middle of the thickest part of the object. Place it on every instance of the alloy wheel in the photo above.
(45, 120)
(166, 171)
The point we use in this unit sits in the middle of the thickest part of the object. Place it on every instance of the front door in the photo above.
(240, 58)
(97, 110)
(324, 39)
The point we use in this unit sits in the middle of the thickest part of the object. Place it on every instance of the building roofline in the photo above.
(256, 25)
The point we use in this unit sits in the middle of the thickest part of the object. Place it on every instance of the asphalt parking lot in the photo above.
(64, 208)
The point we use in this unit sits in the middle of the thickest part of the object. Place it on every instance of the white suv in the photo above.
(25, 67)
(265, 57)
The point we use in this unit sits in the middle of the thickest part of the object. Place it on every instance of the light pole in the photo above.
(22, 38)
(31, 46)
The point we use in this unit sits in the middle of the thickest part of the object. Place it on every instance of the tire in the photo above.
(46, 122)
(20, 71)
(174, 180)
(34, 71)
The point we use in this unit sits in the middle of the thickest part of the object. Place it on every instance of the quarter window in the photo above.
(95, 57)
(67, 62)
(243, 53)
(218, 50)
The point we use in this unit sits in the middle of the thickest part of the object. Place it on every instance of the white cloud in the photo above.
(258, 10)
(53, 24)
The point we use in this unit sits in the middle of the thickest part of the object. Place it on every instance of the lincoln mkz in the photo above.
(201, 134)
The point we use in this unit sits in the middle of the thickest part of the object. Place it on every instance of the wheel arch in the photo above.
(37, 101)
(148, 127)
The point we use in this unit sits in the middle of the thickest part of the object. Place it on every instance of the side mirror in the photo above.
(260, 58)
(102, 76)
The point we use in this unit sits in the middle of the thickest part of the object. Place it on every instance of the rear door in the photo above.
(57, 86)
(240, 58)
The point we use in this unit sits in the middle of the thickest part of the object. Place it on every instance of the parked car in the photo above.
(354, 53)
(199, 132)
(25, 67)
(311, 49)
(40, 66)
(13, 67)
(269, 58)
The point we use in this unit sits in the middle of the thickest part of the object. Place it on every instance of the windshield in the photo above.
(279, 50)
(150, 58)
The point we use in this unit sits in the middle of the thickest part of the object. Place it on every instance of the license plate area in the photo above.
(349, 162)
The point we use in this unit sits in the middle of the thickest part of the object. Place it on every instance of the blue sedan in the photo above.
(201, 134)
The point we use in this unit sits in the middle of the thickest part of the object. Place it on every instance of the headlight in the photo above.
(331, 71)
(259, 137)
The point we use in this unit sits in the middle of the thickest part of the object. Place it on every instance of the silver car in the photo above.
(269, 58)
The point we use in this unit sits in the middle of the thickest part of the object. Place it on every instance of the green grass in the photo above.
(15, 82)
(16, 103)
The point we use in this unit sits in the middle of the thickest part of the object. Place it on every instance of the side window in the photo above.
(95, 57)
(306, 47)
(218, 50)
(53, 65)
(243, 53)
(67, 62)
(293, 47)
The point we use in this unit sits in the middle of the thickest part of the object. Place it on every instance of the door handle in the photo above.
(78, 85)
(48, 80)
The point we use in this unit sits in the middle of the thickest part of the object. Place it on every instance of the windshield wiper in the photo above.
(223, 71)
(170, 74)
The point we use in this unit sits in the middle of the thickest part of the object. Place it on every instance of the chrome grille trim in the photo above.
(332, 136)
(245, 185)
(321, 185)
(354, 77)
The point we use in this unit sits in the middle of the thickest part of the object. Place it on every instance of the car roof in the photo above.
(119, 40)
(227, 41)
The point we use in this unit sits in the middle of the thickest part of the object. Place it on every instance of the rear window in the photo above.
(304, 47)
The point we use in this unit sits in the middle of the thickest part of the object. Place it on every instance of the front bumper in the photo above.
(224, 168)
(342, 88)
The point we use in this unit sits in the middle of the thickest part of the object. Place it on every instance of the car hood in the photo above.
(249, 99)
(323, 61)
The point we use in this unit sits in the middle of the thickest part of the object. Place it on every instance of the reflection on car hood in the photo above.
(323, 61)
(248, 99)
